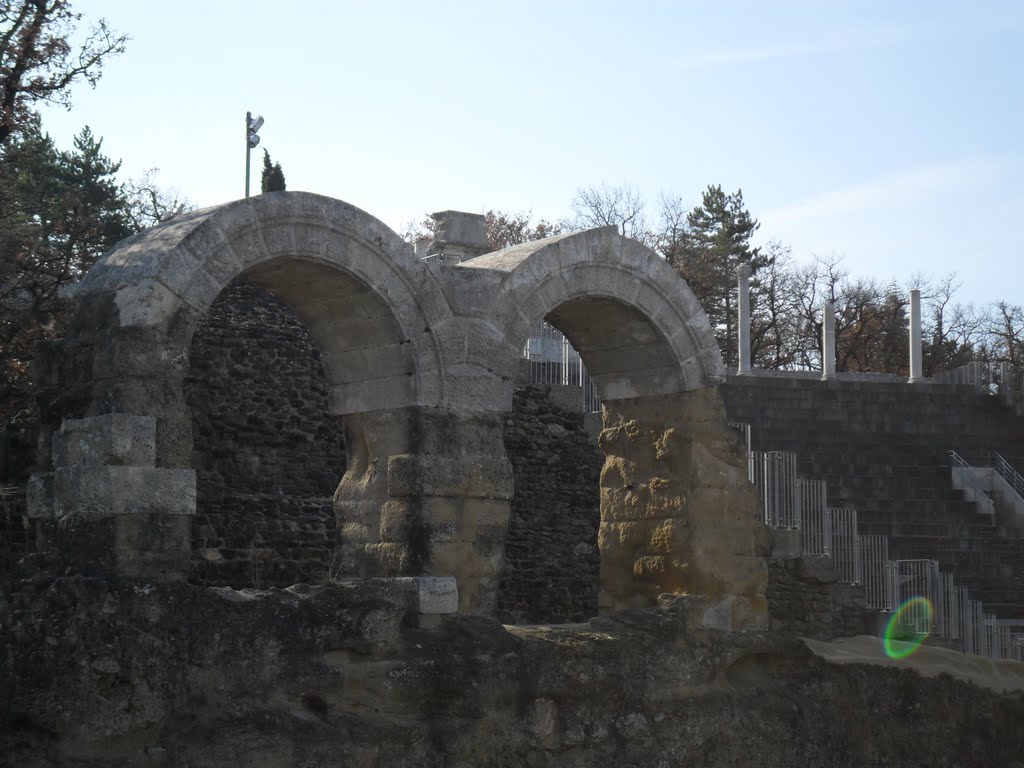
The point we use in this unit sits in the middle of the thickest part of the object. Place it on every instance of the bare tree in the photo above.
(504, 229)
(148, 204)
(620, 206)
(37, 61)
(1005, 331)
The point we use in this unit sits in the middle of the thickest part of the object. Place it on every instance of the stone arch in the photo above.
(638, 325)
(677, 513)
(344, 272)
(368, 304)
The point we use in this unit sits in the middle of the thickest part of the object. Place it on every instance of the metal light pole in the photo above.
(252, 124)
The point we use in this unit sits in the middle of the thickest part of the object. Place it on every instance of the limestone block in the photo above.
(145, 304)
(430, 594)
(474, 389)
(372, 395)
(470, 292)
(459, 232)
(39, 496)
(113, 439)
(90, 490)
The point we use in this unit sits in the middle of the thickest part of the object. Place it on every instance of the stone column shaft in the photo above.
(743, 326)
(828, 340)
(916, 351)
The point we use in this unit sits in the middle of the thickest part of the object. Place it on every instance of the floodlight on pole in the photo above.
(252, 125)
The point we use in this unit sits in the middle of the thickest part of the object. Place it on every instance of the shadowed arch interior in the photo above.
(619, 345)
(364, 350)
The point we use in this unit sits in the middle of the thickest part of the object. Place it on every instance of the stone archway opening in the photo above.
(268, 454)
(279, 400)
(675, 512)
(552, 558)
(677, 515)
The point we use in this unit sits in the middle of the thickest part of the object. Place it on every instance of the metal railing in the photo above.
(910, 579)
(889, 585)
(774, 475)
(964, 478)
(1013, 479)
(949, 608)
(996, 377)
(876, 573)
(553, 360)
(846, 546)
(815, 518)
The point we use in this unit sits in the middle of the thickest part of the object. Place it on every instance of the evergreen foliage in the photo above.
(707, 252)
(273, 177)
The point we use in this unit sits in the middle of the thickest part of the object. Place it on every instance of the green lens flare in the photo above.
(908, 627)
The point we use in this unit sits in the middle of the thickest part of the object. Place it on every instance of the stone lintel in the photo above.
(112, 439)
(102, 491)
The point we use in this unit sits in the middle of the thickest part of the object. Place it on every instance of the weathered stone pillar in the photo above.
(916, 351)
(427, 491)
(678, 514)
(743, 327)
(115, 512)
(828, 340)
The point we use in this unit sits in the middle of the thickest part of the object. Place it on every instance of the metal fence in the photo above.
(814, 519)
(876, 574)
(948, 608)
(998, 377)
(846, 546)
(1003, 468)
(889, 585)
(774, 475)
(553, 360)
(910, 579)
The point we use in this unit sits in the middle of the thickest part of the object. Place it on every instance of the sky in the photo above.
(887, 133)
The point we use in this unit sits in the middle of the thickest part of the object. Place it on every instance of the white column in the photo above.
(743, 329)
(916, 352)
(828, 340)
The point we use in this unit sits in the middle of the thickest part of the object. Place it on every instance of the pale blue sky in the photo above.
(887, 132)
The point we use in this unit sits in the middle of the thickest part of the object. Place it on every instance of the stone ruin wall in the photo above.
(552, 561)
(267, 456)
(268, 459)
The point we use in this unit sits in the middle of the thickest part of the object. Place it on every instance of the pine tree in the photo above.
(273, 176)
(715, 241)
(60, 210)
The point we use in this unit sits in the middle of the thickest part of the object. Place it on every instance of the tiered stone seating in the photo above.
(882, 447)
